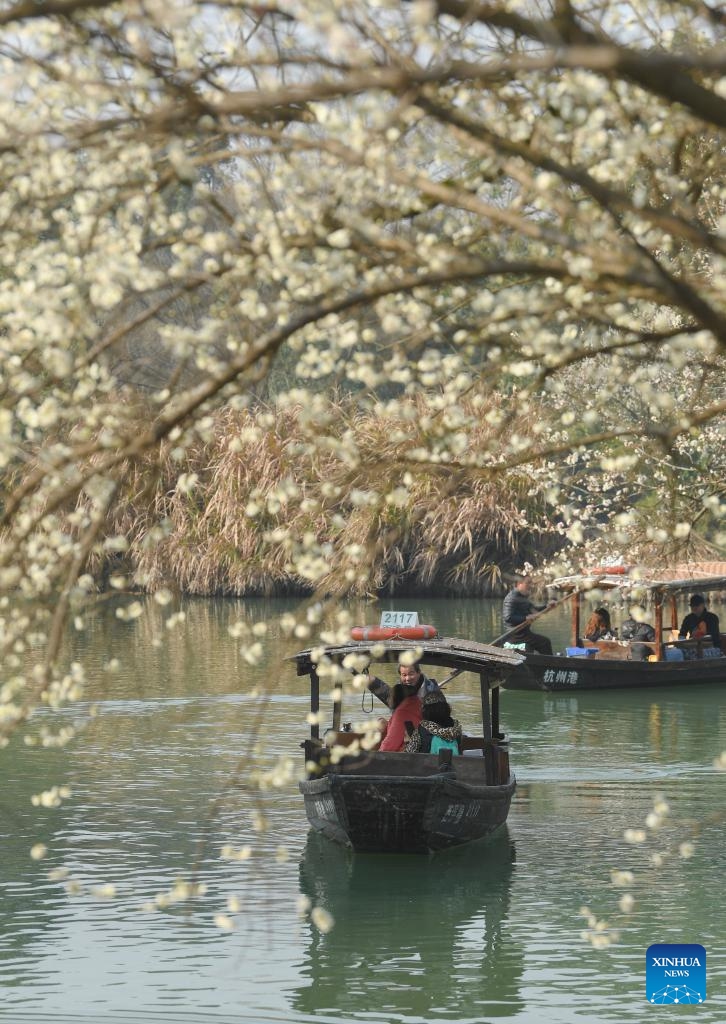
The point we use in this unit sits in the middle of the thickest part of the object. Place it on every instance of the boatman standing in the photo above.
(518, 610)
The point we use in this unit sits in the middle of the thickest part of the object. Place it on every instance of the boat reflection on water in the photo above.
(412, 935)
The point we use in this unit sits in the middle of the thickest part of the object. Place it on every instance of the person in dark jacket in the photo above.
(409, 676)
(436, 729)
(518, 610)
(699, 622)
(639, 633)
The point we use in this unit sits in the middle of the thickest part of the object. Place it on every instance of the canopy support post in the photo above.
(658, 628)
(487, 749)
(337, 710)
(314, 704)
(495, 712)
(575, 610)
(485, 712)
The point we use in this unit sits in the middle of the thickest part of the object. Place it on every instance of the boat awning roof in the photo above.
(663, 584)
(465, 655)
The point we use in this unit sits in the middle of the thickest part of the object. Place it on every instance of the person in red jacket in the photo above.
(406, 707)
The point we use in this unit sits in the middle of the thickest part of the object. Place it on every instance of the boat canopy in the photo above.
(492, 664)
(464, 655)
(660, 585)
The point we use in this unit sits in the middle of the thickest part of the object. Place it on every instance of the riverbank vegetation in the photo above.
(265, 492)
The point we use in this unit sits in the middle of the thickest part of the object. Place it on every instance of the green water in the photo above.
(478, 934)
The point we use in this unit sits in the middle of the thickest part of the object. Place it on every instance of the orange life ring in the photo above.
(393, 632)
(609, 570)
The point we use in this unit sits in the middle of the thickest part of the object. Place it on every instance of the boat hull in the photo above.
(552, 672)
(379, 807)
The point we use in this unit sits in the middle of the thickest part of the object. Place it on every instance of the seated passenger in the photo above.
(598, 626)
(635, 628)
(700, 623)
(406, 707)
(437, 730)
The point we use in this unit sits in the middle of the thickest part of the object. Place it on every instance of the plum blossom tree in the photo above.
(467, 213)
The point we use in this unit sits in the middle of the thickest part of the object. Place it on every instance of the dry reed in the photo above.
(446, 532)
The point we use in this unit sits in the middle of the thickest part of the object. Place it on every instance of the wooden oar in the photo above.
(530, 620)
(448, 679)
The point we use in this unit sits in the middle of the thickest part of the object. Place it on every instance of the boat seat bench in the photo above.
(620, 650)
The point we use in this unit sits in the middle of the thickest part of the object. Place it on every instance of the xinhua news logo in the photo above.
(675, 974)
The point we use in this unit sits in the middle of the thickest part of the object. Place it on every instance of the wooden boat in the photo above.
(609, 664)
(399, 802)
